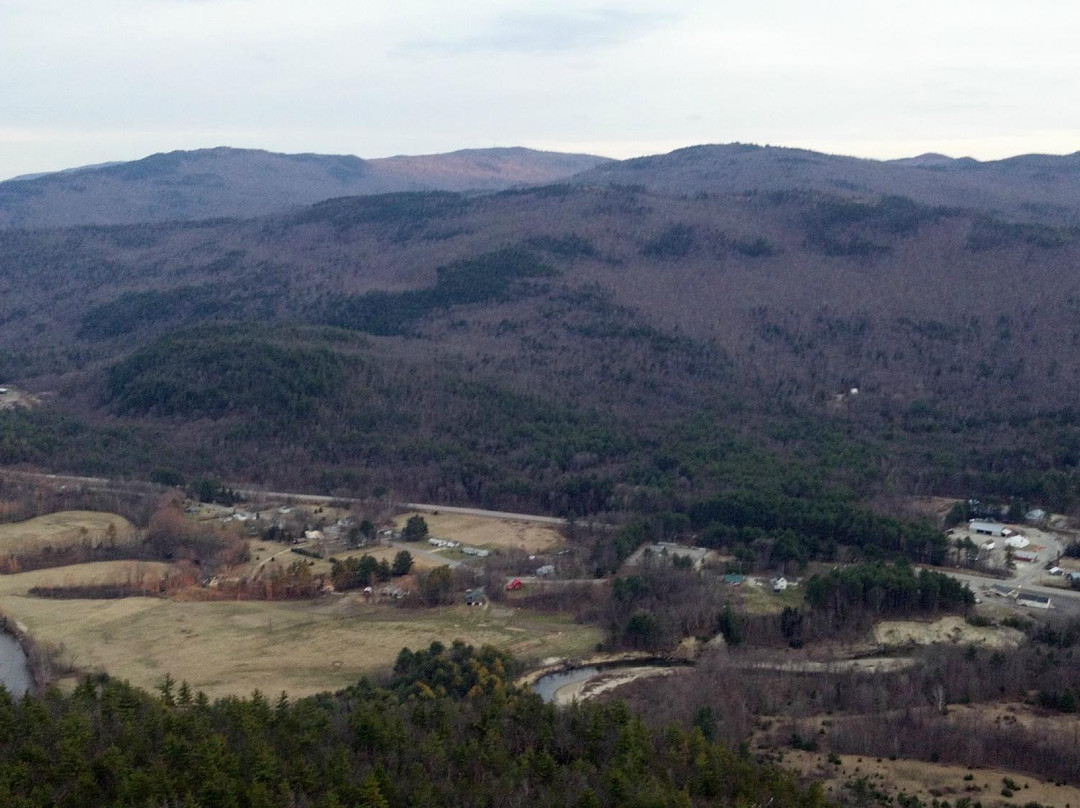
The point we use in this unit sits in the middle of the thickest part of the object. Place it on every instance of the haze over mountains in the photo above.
(1032, 187)
(224, 182)
(635, 333)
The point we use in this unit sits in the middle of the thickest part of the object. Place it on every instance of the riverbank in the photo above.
(17, 648)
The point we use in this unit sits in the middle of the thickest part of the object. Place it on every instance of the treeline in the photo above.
(816, 526)
(918, 711)
(887, 590)
(212, 373)
(447, 730)
(490, 278)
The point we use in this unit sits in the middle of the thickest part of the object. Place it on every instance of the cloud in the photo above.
(551, 33)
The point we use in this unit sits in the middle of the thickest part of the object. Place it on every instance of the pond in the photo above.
(14, 669)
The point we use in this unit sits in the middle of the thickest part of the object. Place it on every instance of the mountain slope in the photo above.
(1040, 188)
(224, 182)
(546, 346)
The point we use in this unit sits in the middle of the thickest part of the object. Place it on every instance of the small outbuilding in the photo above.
(514, 585)
(475, 597)
(1033, 601)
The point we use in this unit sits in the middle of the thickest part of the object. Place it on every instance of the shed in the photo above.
(547, 569)
(514, 585)
(734, 579)
(475, 597)
(1027, 556)
(1034, 601)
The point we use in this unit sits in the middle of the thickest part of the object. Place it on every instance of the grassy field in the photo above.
(233, 647)
(63, 529)
(263, 551)
(489, 532)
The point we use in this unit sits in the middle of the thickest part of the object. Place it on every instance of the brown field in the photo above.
(927, 781)
(490, 532)
(234, 647)
(950, 630)
(63, 529)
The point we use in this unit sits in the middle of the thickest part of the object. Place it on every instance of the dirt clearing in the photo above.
(867, 778)
(946, 631)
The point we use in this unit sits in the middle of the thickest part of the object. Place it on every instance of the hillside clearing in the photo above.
(63, 529)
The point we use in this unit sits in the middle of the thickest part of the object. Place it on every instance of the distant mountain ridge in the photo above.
(227, 182)
(1032, 187)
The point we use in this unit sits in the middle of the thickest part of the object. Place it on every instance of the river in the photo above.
(14, 669)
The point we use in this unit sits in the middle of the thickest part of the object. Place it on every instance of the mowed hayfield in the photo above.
(490, 532)
(264, 552)
(64, 529)
(235, 647)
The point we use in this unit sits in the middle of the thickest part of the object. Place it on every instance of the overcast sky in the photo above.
(84, 82)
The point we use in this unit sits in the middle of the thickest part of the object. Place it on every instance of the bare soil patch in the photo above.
(855, 775)
(950, 630)
(490, 532)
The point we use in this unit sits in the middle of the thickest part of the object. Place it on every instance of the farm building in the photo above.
(1034, 601)
(669, 551)
(1017, 542)
(1027, 556)
(989, 528)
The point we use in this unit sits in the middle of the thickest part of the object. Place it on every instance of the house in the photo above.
(1016, 542)
(1033, 601)
(475, 597)
(515, 585)
(779, 583)
(546, 570)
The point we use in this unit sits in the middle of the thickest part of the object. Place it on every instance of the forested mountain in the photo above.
(206, 183)
(1030, 188)
(572, 348)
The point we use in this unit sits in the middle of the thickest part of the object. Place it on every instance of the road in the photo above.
(1064, 601)
(521, 517)
(104, 484)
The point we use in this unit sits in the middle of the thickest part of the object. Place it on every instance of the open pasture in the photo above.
(234, 647)
(493, 533)
(64, 529)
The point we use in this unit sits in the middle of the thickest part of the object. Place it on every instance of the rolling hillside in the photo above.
(224, 182)
(1030, 188)
(571, 348)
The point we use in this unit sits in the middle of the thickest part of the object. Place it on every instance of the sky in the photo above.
(83, 83)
